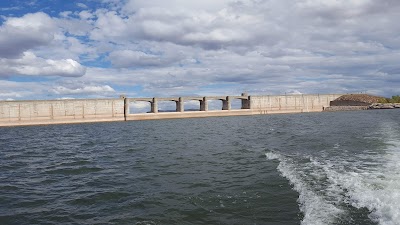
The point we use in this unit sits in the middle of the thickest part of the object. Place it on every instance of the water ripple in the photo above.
(192, 171)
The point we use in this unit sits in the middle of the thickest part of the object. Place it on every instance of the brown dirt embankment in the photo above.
(360, 102)
(364, 98)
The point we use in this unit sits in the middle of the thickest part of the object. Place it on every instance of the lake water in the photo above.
(315, 168)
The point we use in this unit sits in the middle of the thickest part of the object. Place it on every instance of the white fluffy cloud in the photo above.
(204, 5)
(30, 64)
(209, 30)
(89, 89)
(179, 47)
(20, 37)
(20, 34)
(129, 58)
(20, 90)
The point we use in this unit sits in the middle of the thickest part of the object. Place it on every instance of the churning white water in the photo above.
(316, 209)
(331, 188)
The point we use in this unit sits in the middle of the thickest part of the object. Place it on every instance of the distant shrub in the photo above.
(384, 100)
(394, 99)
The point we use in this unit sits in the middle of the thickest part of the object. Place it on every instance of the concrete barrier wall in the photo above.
(60, 111)
(14, 113)
(290, 103)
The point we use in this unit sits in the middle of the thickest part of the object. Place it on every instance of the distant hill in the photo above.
(356, 100)
(360, 98)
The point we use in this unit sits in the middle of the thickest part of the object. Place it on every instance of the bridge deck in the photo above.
(188, 98)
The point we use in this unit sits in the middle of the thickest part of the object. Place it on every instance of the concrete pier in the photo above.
(226, 104)
(204, 104)
(180, 105)
(246, 101)
(14, 113)
(154, 105)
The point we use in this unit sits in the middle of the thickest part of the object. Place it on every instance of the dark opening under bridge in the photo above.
(179, 102)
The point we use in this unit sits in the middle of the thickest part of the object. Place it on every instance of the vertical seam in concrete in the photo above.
(126, 108)
(73, 107)
(112, 108)
(95, 109)
(52, 111)
(19, 112)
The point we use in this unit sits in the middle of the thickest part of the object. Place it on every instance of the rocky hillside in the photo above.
(360, 98)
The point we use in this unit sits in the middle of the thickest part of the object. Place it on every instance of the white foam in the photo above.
(316, 210)
(376, 187)
(272, 155)
(368, 179)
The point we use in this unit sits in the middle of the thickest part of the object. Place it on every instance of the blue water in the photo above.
(314, 168)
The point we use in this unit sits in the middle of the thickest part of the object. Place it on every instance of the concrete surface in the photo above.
(16, 113)
(290, 103)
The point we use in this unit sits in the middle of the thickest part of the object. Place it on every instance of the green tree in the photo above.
(395, 99)
(384, 100)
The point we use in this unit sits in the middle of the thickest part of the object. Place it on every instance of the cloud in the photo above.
(94, 89)
(129, 58)
(178, 47)
(10, 95)
(21, 37)
(208, 30)
(18, 35)
(81, 5)
(139, 107)
(21, 90)
(204, 5)
(10, 8)
(31, 65)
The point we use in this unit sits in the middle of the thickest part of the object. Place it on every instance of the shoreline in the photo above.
(366, 107)
(179, 115)
(153, 116)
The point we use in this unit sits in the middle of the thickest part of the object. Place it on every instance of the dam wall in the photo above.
(290, 103)
(16, 113)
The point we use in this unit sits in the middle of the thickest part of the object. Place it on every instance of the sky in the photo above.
(59, 49)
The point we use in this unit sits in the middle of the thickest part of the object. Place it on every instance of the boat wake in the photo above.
(348, 188)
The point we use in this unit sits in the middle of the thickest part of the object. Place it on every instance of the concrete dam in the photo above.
(41, 112)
